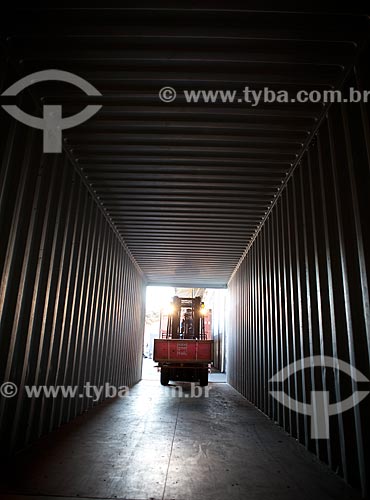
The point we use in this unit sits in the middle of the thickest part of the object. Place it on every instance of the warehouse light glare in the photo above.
(168, 309)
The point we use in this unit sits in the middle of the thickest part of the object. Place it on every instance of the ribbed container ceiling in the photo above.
(186, 185)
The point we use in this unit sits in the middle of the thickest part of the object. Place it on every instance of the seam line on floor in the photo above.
(169, 460)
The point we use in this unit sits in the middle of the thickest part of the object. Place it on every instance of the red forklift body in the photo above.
(183, 351)
(185, 354)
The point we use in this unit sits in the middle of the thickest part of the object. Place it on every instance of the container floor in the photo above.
(161, 443)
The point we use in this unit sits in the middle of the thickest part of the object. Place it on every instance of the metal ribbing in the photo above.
(177, 175)
(71, 299)
(302, 289)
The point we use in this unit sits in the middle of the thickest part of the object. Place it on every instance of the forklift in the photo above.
(183, 352)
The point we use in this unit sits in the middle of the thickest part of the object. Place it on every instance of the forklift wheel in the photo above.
(164, 377)
(203, 378)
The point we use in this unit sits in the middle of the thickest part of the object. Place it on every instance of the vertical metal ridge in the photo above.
(309, 265)
(71, 299)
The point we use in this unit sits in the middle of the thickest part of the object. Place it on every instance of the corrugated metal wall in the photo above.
(302, 288)
(71, 299)
(219, 326)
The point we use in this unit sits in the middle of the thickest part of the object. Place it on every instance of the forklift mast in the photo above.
(186, 320)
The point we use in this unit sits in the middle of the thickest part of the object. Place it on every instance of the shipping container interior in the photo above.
(197, 169)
